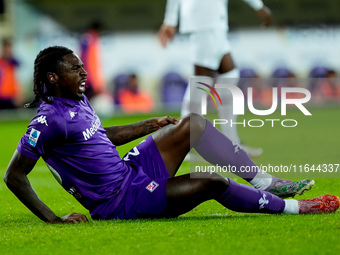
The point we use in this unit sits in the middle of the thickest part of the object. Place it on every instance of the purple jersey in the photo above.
(70, 138)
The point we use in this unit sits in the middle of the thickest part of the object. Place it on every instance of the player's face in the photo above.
(72, 77)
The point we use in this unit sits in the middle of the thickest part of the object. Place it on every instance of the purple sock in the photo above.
(218, 149)
(243, 198)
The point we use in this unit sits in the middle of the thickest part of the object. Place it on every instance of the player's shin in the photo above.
(217, 149)
(243, 198)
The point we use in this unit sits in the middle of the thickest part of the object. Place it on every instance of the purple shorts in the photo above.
(146, 194)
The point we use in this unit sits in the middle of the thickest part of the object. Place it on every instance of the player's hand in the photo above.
(165, 34)
(163, 121)
(72, 218)
(265, 15)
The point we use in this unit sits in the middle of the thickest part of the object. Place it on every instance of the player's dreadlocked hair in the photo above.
(48, 60)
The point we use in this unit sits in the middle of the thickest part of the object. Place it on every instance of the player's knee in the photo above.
(214, 183)
(194, 123)
(217, 184)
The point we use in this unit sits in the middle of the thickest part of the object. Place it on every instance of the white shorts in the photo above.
(209, 47)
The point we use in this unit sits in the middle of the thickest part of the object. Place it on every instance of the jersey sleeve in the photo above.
(171, 12)
(45, 131)
(255, 4)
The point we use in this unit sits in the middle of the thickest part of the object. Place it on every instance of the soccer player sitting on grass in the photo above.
(82, 155)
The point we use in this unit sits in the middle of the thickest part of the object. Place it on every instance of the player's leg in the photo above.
(185, 192)
(229, 74)
(281, 187)
(205, 65)
(192, 97)
(204, 71)
(217, 149)
(188, 191)
(175, 141)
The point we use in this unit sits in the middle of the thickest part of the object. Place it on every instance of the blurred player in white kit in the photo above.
(207, 23)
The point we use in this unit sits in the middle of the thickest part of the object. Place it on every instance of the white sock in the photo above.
(192, 96)
(262, 180)
(225, 111)
(291, 207)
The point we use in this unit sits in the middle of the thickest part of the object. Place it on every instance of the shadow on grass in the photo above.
(220, 217)
(234, 217)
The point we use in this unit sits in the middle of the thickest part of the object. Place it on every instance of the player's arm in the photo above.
(262, 11)
(167, 31)
(119, 135)
(265, 15)
(17, 181)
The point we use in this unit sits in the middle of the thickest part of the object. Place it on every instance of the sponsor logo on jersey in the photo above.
(33, 138)
(152, 186)
(42, 120)
(89, 132)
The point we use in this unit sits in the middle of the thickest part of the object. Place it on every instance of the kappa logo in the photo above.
(152, 186)
(263, 201)
(72, 114)
(42, 120)
(237, 147)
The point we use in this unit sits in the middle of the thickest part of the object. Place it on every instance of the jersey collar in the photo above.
(67, 101)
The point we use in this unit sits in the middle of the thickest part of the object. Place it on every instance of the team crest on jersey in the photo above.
(263, 201)
(33, 138)
(152, 186)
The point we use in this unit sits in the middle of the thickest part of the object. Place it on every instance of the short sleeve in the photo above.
(255, 4)
(171, 12)
(45, 131)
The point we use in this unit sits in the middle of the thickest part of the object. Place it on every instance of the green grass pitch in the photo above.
(209, 228)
